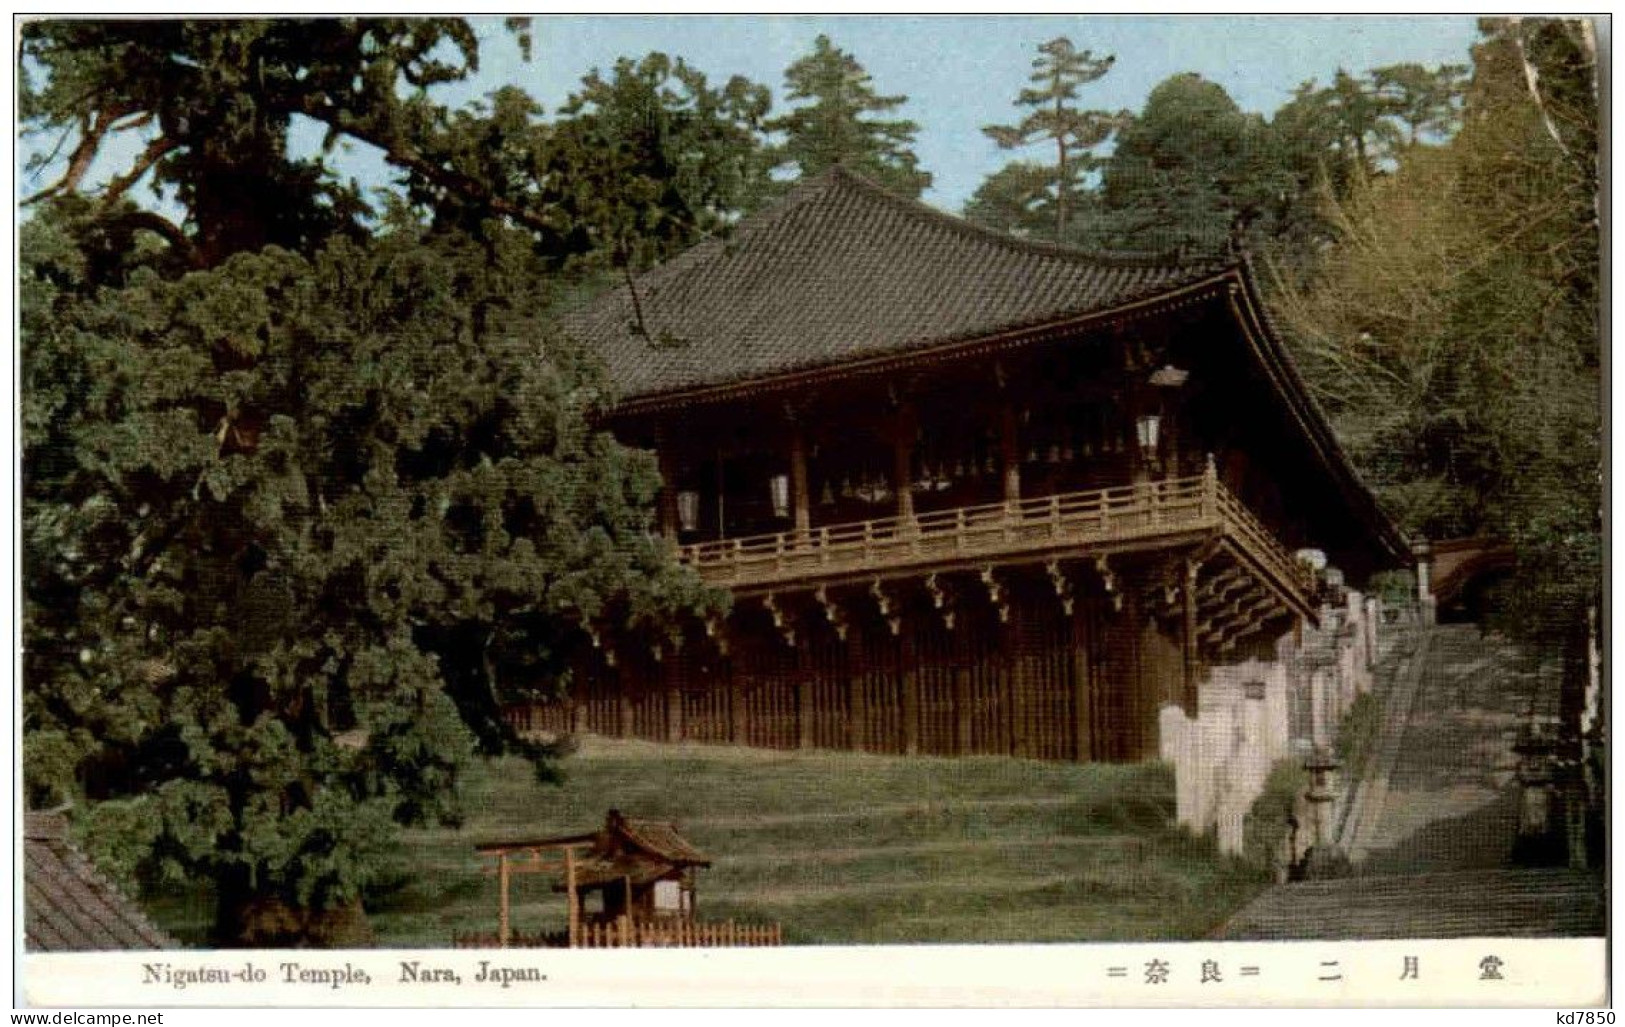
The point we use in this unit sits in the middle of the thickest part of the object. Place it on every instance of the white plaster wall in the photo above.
(1222, 756)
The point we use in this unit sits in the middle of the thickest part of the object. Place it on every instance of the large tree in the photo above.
(305, 496)
(1056, 120)
(839, 119)
(1193, 173)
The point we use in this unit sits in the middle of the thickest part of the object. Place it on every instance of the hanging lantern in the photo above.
(959, 468)
(847, 491)
(1054, 454)
(828, 496)
(778, 487)
(688, 510)
(1148, 428)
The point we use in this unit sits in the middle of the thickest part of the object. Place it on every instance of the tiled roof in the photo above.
(662, 839)
(68, 905)
(841, 269)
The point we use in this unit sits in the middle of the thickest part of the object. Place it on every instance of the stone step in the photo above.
(1457, 904)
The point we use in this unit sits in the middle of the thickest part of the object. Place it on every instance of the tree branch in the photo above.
(155, 151)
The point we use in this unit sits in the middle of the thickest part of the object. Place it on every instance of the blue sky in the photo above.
(960, 73)
(963, 72)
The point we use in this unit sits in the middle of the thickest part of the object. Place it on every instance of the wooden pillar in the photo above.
(673, 673)
(1192, 656)
(962, 710)
(857, 704)
(623, 709)
(799, 499)
(1018, 680)
(502, 907)
(573, 897)
(667, 505)
(1010, 453)
(903, 429)
(736, 708)
(1082, 684)
(908, 656)
(803, 679)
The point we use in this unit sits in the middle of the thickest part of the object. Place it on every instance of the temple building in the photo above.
(970, 493)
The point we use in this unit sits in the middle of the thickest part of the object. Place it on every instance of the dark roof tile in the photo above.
(841, 269)
(68, 905)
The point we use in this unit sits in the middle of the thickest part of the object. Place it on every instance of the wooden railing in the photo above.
(1101, 516)
(626, 933)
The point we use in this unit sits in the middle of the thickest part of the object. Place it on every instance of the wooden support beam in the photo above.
(1222, 587)
(783, 620)
(1063, 586)
(799, 498)
(673, 670)
(667, 505)
(574, 896)
(942, 599)
(997, 594)
(962, 710)
(890, 610)
(834, 612)
(911, 694)
(857, 705)
(1242, 612)
(502, 907)
(904, 427)
(1082, 687)
(1010, 452)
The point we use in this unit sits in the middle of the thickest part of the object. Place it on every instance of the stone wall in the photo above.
(1245, 718)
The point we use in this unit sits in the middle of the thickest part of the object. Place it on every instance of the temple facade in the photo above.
(970, 494)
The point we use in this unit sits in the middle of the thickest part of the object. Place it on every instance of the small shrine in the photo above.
(630, 884)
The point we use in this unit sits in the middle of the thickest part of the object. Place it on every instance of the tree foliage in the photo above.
(1453, 331)
(1193, 173)
(840, 120)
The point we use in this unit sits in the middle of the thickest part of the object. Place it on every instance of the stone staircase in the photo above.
(1431, 824)
(1526, 903)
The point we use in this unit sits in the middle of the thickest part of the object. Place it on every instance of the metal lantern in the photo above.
(1148, 429)
(779, 487)
(688, 510)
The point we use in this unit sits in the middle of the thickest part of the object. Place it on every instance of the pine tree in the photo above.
(1058, 71)
(837, 123)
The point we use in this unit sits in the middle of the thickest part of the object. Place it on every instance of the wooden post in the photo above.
(674, 695)
(1010, 453)
(623, 710)
(502, 908)
(736, 710)
(962, 710)
(667, 507)
(1082, 743)
(804, 704)
(908, 657)
(1017, 680)
(798, 482)
(572, 896)
(903, 430)
(857, 712)
(1188, 695)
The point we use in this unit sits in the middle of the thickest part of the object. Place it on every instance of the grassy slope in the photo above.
(844, 847)
(839, 847)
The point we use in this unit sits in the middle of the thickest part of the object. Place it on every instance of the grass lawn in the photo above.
(840, 847)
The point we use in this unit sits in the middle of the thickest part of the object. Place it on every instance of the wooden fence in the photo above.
(626, 933)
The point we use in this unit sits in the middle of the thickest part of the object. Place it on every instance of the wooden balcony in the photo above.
(1145, 516)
